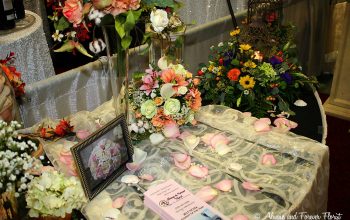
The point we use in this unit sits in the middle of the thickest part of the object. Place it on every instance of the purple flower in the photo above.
(287, 77)
(276, 60)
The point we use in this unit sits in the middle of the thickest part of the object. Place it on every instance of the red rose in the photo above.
(233, 74)
(200, 73)
(221, 61)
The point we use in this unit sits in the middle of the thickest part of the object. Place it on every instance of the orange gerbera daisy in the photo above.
(160, 119)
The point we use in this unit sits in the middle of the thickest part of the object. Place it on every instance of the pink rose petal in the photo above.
(118, 202)
(250, 186)
(219, 139)
(171, 131)
(82, 134)
(268, 159)
(66, 157)
(182, 161)
(147, 177)
(206, 194)
(284, 125)
(198, 171)
(240, 217)
(262, 124)
(224, 185)
(247, 114)
(207, 138)
(133, 166)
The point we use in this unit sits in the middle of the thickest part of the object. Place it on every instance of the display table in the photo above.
(297, 183)
(29, 44)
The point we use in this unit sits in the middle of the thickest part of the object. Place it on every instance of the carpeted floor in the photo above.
(338, 141)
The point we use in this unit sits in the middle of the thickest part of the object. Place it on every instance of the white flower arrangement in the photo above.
(15, 159)
(53, 194)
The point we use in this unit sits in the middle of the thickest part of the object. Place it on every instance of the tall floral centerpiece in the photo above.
(76, 23)
(165, 33)
(240, 76)
(163, 99)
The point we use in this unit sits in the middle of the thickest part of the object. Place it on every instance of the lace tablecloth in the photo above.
(297, 183)
(33, 58)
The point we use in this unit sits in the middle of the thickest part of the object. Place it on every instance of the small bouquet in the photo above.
(53, 194)
(16, 161)
(240, 76)
(162, 97)
(63, 128)
(8, 67)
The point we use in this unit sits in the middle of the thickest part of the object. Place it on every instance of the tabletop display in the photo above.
(169, 144)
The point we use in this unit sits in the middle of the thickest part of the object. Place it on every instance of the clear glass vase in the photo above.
(118, 69)
(167, 45)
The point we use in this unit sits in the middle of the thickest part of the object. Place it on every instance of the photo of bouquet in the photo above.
(163, 96)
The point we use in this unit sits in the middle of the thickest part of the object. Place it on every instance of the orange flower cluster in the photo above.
(160, 119)
(12, 74)
(62, 129)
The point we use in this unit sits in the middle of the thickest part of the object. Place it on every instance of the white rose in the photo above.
(159, 20)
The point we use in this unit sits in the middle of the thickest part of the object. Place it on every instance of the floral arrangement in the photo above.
(62, 129)
(15, 159)
(75, 21)
(7, 66)
(162, 98)
(104, 159)
(53, 194)
(240, 76)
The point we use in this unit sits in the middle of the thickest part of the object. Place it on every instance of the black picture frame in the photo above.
(102, 157)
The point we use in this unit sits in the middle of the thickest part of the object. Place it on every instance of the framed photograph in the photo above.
(102, 157)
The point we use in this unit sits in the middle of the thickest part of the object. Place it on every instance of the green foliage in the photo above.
(62, 24)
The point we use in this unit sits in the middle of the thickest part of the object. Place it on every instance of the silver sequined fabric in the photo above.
(33, 58)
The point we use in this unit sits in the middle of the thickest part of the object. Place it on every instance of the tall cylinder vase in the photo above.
(169, 45)
(118, 69)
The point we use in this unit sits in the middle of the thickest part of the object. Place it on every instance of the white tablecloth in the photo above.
(33, 58)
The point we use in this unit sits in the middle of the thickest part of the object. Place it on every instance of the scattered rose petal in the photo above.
(235, 166)
(130, 179)
(218, 139)
(111, 214)
(191, 142)
(133, 166)
(268, 159)
(222, 149)
(198, 171)
(82, 134)
(246, 114)
(240, 217)
(171, 131)
(156, 138)
(250, 186)
(207, 138)
(118, 202)
(182, 161)
(262, 124)
(300, 103)
(147, 177)
(207, 193)
(224, 185)
(283, 125)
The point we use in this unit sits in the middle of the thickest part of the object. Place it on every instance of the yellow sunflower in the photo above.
(250, 64)
(247, 82)
(235, 32)
(244, 47)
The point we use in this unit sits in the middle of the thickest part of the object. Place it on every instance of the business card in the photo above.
(171, 201)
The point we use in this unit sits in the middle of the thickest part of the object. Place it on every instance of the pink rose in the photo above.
(73, 11)
(120, 6)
